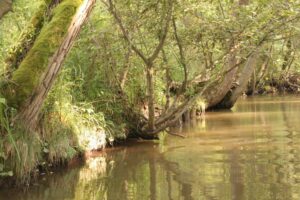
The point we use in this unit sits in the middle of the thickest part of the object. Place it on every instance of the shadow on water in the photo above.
(252, 152)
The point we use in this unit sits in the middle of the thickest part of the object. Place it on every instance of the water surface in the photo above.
(252, 152)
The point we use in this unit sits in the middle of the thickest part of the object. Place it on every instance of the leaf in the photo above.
(90, 111)
(3, 101)
(45, 150)
(10, 173)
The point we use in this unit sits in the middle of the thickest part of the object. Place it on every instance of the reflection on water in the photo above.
(250, 153)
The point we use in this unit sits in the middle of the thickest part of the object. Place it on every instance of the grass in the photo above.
(65, 131)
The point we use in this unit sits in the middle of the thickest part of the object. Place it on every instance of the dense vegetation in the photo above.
(137, 68)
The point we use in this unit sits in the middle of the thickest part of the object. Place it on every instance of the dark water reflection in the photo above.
(250, 153)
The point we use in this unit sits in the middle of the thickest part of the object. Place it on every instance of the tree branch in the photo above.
(182, 57)
(163, 34)
(113, 11)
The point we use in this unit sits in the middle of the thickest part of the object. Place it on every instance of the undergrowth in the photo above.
(65, 131)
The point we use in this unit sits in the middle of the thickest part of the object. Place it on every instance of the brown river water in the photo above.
(251, 153)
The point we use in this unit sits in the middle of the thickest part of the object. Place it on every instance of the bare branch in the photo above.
(113, 11)
(182, 57)
(163, 34)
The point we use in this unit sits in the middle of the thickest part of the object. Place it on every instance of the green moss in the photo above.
(28, 36)
(28, 75)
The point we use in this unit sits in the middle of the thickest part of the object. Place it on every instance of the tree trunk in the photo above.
(219, 93)
(288, 55)
(193, 113)
(5, 7)
(32, 105)
(168, 81)
(243, 2)
(123, 77)
(253, 82)
(264, 67)
(232, 96)
(150, 87)
(214, 96)
(187, 116)
(28, 36)
(148, 60)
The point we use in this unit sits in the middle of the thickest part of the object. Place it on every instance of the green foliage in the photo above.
(4, 125)
(28, 35)
(27, 76)
(74, 123)
(88, 107)
(25, 155)
(20, 152)
(12, 26)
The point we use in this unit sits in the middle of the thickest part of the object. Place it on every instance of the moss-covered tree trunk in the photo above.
(19, 51)
(5, 6)
(38, 70)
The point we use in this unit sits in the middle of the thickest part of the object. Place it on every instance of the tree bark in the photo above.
(5, 7)
(215, 95)
(264, 67)
(31, 108)
(253, 82)
(151, 100)
(27, 38)
(123, 77)
(187, 116)
(193, 113)
(289, 56)
(182, 59)
(243, 2)
(232, 96)
(168, 81)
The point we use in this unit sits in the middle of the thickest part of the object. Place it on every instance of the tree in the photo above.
(38, 70)
(229, 49)
(148, 60)
(5, 6)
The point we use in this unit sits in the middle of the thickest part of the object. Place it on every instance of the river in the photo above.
(251, 153)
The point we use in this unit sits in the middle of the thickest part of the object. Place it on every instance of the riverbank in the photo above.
(225, 156)
(79, 159)
(47, 158)
(284, 84)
